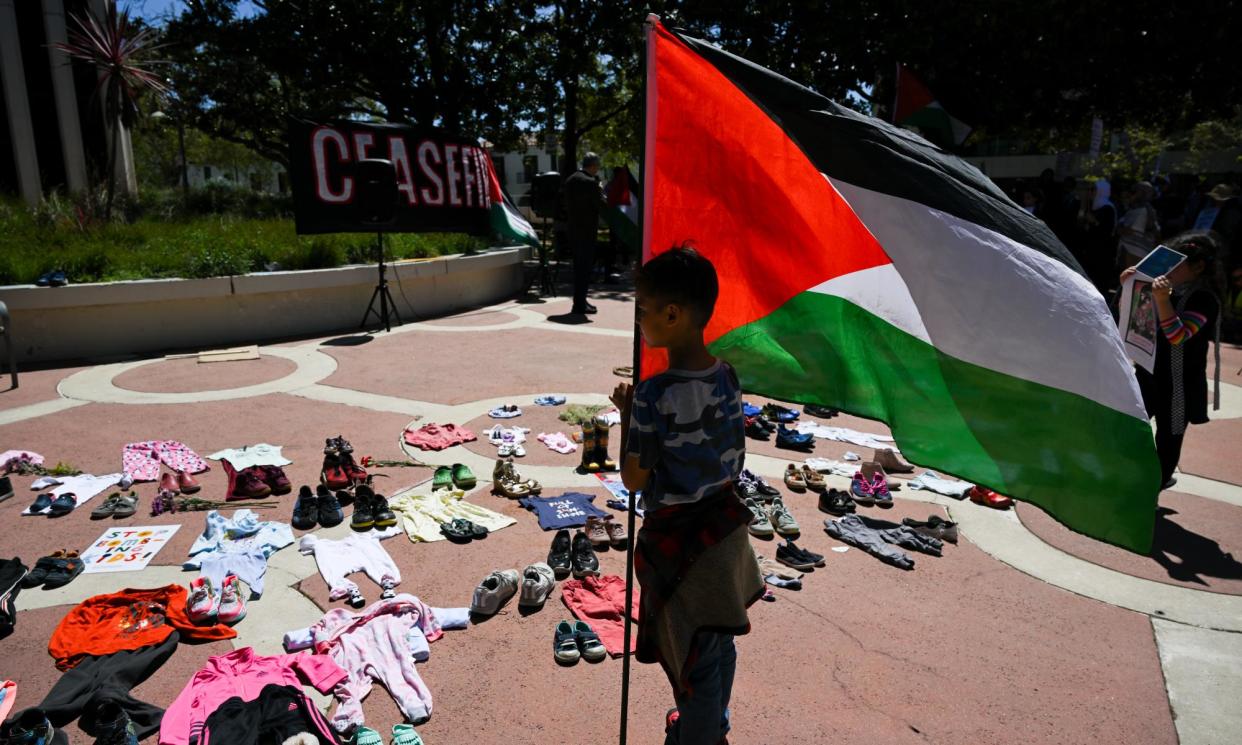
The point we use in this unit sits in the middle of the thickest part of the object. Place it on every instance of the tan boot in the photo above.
(871, 468)
(888, 459)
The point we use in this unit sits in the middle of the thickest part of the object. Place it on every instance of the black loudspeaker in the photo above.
(545, 191)
(375, 195)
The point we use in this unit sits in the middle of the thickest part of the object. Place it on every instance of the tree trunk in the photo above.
(112, 148)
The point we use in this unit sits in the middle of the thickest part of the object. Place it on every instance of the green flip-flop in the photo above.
(367, 736)
(443, 478)
(463, 477)
(404, 734)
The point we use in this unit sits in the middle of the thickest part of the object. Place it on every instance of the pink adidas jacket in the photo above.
(241, 673)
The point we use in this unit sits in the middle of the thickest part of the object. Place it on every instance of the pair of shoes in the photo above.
(759, 428)
(871, 471)
(779, 413)
(586, 309)
(116, 506)
(318, 507)
(889, 461)
(509, 445)
(576, 556)
(205, 608)
(579, 640)
(370, 510)
(776, 518)
(494, 591)
(603, 532)
(538, 581)
(801, 479)
(871, 492)
(763, 488)
(461, 530)
(339, 470)
(595, 447)
(507, 482)
(989, 498)
(823, 412)
(259, 481)
(836, 502)
(109, 723)
(55, 570)
(54, 278)
(794, 440)
(457, 476)
(790, 555)
(58, 506)
(934, 527)
(402, 734)
(508, 411)
(181, 483)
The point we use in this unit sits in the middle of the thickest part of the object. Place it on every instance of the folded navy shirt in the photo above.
(569, 510)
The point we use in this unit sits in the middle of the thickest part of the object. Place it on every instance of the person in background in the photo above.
(1097, 218)
(1139, 228)
(684, 444)
(1032, 200)
(584, 199)
(1188, 307)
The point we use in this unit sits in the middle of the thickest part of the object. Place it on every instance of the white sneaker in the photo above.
(494, 591)
(202, 605)
(538, 581)
(232, 607)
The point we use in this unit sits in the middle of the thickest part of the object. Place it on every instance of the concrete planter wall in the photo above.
(125, 318)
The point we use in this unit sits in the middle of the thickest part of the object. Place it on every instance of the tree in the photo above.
(458, 64)
(120, 50)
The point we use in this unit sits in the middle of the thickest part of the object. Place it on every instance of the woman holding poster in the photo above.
(1187, 305)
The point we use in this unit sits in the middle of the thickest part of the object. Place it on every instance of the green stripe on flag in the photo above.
(1091, 467)
(512, 226)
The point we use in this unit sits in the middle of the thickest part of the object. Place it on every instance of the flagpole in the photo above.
(644, 240)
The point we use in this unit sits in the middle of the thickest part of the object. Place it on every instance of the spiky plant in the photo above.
(120, 50)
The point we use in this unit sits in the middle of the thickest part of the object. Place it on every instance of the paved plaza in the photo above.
(1024, 632)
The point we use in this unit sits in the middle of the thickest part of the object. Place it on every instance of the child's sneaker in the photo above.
(879, 490)
(760, 525)
(232, 606)
(202, 605)
(861, 490)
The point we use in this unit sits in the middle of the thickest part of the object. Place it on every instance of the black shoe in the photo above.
(585, 561)
(109, 723)
(585, 310)
(792, 558)
(6, 488)
(756, 430)
(823, 412)
(305, 510)
(30, 727)
(766, 490)
(818, 559)
(836, 502)
(558, 556)
(364, 518)
(330, 513)
(384, 517)
(746, 489)
(63, 505)
(766, 423)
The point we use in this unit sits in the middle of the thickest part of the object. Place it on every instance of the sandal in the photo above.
(463, 477)
(794, 478)
(530, 485)
(457, 530)
(443, 478)
(814, 480)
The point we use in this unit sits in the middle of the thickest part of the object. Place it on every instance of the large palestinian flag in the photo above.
(506, 220)
(863, 268)
(914, 107)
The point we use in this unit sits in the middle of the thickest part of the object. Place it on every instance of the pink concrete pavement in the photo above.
(964, 649)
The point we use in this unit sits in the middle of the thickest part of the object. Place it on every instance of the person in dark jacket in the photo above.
(584, 198)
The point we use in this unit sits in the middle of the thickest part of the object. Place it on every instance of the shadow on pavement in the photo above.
(570, 319)
(1188, 556)
(353, 340)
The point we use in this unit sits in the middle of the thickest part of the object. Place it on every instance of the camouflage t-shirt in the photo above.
(687, 427)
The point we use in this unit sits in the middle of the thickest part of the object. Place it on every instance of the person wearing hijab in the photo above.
(1096, 220)
(1139, 228)
(1189, 308)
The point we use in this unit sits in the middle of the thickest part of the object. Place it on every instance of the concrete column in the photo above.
(66, 96)
(20, 128)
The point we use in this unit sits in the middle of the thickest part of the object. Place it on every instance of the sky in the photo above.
(156, 11)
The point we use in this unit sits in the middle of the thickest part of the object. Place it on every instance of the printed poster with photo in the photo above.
(126, 549)
(1138, 324)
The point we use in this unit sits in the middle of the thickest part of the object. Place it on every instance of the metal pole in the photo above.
(648, 51)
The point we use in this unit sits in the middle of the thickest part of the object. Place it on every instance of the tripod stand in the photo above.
(381, 292)
(547, 280)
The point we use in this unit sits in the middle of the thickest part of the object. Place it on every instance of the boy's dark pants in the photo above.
(703, 715)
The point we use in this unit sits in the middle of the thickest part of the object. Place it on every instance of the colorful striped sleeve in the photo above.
(1179, 329)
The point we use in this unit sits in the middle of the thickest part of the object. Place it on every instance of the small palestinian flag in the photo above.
(864, 269)
(622, 211)
(916, 108)
(506, 220)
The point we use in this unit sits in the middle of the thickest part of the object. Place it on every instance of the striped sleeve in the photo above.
(1179, 329)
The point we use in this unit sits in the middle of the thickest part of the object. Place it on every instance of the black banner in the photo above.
(445, 183)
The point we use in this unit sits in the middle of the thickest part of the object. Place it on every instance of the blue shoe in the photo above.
(793, 440)
(41, 503)
(750, 410)
(780, 413)
(58, 279)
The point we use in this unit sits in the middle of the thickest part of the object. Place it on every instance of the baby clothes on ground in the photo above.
(253, 455)
(438, 436)
(372, 645)
(240, 546)
(932, 481)
(248, 565)
(420, 515)
(141, 460)
(448, 619)
(558, 442)
(498, 434)
(600, 601)
(845, 434)
(569, 510)
(29, 456)
(43, 482)
(244, 674)
(337, 559)
(878, 538)
(550, 400)
(83, 487)
(280, 714)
